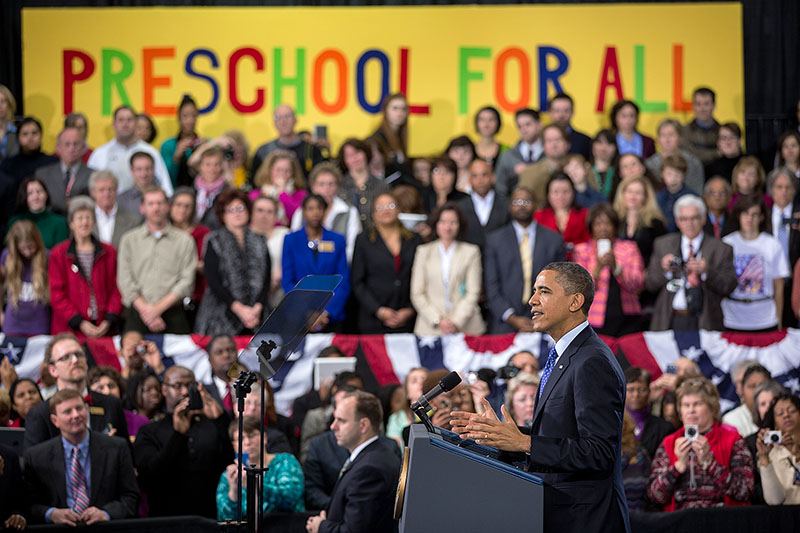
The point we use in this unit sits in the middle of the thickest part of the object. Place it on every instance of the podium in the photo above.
(453, 485)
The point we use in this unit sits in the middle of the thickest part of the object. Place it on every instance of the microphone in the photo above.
(447, 384)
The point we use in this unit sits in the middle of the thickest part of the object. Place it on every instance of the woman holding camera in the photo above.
(778, 452)
(704, 463)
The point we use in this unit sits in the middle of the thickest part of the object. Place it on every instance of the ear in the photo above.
(54, 420)
(364, 425)
(141, 209)
(576, 303)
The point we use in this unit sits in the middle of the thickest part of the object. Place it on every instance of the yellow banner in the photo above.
(334, 65)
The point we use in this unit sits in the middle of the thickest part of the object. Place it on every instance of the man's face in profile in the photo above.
(549, 303)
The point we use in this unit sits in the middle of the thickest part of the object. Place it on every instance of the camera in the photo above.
(507, 372)
(691, 432)
(141, 349)
(195, 400)
(472, 378)
(675, 263)
(773, 437)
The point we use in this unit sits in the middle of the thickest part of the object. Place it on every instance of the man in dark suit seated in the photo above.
(363, 497)
(650, 430)
(484, 209)
(69, 177)
(80, 476)
(575, 441)
(66, 362)
(509, 274)
(180, 457)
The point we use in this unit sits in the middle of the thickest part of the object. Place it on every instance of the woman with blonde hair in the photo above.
(705, 463)
(641, 219)
(8, 132)
(23, 279)
(281, 177)
(521, 398)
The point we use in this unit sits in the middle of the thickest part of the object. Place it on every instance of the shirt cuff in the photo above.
(507, 313)
(108, 516)
(48, 514)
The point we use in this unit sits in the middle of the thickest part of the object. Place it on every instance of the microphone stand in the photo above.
(421, 410)
(242, 386)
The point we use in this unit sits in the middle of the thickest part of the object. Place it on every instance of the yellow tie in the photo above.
(527, 266)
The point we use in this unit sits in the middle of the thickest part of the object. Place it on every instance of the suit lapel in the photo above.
(96, 460)
(560, 369)
(60, 467)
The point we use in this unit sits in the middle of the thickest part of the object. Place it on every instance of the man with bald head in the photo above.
(181, 457)
(288, 139)
(69, 177)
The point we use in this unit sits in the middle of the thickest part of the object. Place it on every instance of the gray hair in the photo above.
(101, 175)
(739, 368)
(79, 203)
(690, 200)
(772, 177)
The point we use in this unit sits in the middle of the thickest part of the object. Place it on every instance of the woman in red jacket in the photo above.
(561, 214)
(83, 278)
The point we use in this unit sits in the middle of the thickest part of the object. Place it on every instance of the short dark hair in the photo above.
(617, 108)
(462, 141)
(328, 351)
(214, 339)
(185, 190)
(493, 110)
(634, 374)
(755, 369)
(22, 193)
(137, 155)
(527, 111)
(368, 406)
(561, 96)
(707, 91)
(228, 196)
(769, 419)
(316, 198)
(745, 202)
(62, 396)
(450, 206)
(676, 162)
(564, 133)
(122, 108)
(603, 209)
(97, 372)
(343, 378)
(153, 129)
(447, 163)
(560, 176)
(574, 279)
(356, 144)
(30, 120)
(733, 127)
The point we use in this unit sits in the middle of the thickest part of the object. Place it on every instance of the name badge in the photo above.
(326, 246)
(96, 410)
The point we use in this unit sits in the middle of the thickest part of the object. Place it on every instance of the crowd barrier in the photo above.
(760, 519)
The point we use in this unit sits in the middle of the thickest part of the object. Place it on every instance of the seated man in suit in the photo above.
(112, 222)
(66, 362)
(80, 476)
(694, 261)
(363, 498)
(222, 354)
(180, 457)
(69, 177)
(484, 209)
(509, 274)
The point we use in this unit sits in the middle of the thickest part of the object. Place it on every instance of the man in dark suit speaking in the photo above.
(81, 476)
(575, 439)
(363, 497)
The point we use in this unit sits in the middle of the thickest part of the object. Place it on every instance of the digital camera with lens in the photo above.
(773, 437)
(691, 432)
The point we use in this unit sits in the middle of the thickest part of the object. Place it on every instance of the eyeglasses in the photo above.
(520, 203)
(180, 385)
(68, 357)
(284, 117)
(385, 207)
(717, 193)
(694, 218)
(728, 138)
(235, 209)
(640, 390)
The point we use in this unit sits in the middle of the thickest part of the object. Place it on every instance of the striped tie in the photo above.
(548, 368)
(78, 481)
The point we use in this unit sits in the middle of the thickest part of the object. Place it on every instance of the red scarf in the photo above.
(721, 439)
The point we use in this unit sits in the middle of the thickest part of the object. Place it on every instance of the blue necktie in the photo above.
(548, 368)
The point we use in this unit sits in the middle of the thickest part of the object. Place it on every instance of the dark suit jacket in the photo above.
(104, 410)
(113, 483)
(498, 217)
(321, 467)
(720, 281)
(363, 498)
(376, 283)
(576, 440)
(654, 431)
(580, 143)
(124, 222)
(180, 472)
(503, 278)
(53, 178)
(12, 499)
(728, 226)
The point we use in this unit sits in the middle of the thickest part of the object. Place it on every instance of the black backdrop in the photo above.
(771, 52)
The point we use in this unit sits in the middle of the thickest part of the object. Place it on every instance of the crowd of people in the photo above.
(684, 231)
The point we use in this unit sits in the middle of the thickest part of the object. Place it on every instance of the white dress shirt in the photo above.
(679, 301)
(531, 152)
(447, 260)
(564, 342)
(358, 449)
(483, 205)
(105, 223)
(116, 157)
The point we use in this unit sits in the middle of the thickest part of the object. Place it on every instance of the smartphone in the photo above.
(320, 131)
(195, 400)
(603, 247)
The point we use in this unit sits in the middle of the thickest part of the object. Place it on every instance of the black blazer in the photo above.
(654, 431)
(498, 217)
(53, 178)
(104, 411)
(580, 143)
(728, 226)
(113, 483)
(502, 270)
(376, 283)
(576, 440)
(363, 498)
(12, 500)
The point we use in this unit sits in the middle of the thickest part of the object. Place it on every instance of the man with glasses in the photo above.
(181, 457)
(288, 139)
(717, 195)
(509, 271)
(67, 363)
(691, 272)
